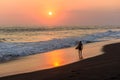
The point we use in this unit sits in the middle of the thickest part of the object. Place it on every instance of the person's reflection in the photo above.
(80, 48)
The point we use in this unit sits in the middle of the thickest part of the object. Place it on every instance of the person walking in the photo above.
(80, 48)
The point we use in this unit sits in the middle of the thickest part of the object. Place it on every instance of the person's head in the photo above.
(80, 42)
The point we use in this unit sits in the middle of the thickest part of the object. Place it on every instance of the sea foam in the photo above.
(10, 51)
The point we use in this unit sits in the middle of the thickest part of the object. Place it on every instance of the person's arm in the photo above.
(76, 47)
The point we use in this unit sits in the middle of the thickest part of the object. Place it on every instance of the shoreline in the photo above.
(69, 66)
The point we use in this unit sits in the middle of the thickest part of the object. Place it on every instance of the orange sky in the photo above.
(65, 12)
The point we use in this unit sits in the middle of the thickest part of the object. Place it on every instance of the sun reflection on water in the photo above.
(56, 64)
(55, 58)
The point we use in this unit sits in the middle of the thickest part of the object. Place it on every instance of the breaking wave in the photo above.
(12, 50)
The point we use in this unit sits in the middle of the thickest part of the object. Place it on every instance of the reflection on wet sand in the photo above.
(49, 60)
(39, 61)
(58, 58)
(56, 64)
(55, 59)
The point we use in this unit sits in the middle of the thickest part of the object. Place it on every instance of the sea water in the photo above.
(23, 41)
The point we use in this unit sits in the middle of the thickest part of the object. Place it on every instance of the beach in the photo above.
(101, 62)
(59, 40)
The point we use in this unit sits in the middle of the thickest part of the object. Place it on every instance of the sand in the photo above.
(101, 62)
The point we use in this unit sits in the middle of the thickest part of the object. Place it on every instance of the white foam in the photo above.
(11, 50)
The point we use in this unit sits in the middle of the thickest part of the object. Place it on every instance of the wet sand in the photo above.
(101, 62)
(47, 60)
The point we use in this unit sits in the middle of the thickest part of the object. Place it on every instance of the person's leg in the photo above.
(81, 57)
(79, 54)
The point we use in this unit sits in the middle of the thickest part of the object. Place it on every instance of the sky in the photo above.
(64, 12)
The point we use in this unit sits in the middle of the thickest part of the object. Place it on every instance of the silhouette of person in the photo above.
(80, 47)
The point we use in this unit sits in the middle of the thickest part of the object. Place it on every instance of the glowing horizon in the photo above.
(59, 12)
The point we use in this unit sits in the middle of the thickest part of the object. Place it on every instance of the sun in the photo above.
(50, 13)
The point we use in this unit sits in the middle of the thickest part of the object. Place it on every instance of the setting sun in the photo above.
(50, 13)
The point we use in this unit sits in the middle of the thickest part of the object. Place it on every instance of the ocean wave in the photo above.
(52, 28)
(10, 51)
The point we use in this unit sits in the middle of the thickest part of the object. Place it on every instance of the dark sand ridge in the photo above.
(102, 67)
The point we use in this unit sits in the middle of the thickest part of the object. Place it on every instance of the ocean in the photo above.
(23, 41)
